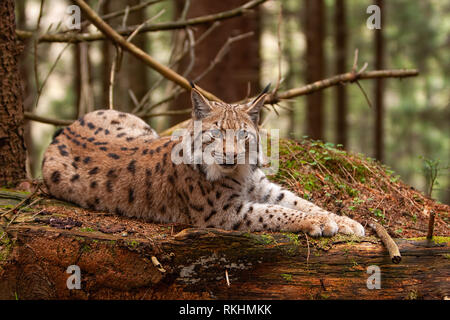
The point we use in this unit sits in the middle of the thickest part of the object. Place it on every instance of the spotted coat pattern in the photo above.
(113, 161)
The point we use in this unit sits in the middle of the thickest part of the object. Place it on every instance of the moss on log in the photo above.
(260, 266)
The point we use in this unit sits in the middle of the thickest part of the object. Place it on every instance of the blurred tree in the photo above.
(27, 86)
(83, 80)
(340, 27)
(239, 68)
(379, 87)
(315, 65)
(12, 145)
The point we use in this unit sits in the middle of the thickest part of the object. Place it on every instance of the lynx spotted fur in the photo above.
(113, 161)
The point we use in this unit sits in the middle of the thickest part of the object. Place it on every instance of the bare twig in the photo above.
(122, 12)
(137, 52)
(77, 37)
(391, 246)
(56, 122)
(41, 87)
(342, 78)
(146, 97)
(167, 113)
(222, 52)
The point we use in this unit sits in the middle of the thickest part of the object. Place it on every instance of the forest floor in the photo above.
(359, 187)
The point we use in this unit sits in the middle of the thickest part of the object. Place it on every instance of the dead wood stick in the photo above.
(431, 225)
(391, 246)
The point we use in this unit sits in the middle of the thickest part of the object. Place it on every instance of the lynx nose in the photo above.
(231, 158)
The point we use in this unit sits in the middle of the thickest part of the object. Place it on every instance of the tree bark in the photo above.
(193, 264)
(379, 88)
(12, 144)
(315, 65)
(241, 65)
(340, 24)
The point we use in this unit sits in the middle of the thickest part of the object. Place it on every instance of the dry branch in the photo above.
(391, 246)
(56, 122)
(342, 78)
(79, 37)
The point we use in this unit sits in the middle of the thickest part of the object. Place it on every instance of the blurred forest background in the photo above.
(406, 127)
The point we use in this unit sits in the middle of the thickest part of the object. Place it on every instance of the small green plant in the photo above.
(87, 229)
(287, 276)
(377, 213)
(431, 169)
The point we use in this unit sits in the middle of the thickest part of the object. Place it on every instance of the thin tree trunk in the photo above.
(315, 61)
(340, 23)
(12, 144)
(241, 65)
(105, 66)
(28, 93)
(132, 74)
(83, 79)
(379, 89)
(136, 72)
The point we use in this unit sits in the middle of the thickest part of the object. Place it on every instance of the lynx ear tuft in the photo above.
(200, 105)
(192, 84)
(255, 107)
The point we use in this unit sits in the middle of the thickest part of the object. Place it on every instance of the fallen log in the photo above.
(193, 263)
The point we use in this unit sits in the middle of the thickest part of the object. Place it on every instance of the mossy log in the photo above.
(193, 263)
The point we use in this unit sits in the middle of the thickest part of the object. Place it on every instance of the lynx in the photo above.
(113, 161)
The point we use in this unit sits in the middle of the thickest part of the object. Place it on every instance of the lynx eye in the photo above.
(242, 135)
(216, 133)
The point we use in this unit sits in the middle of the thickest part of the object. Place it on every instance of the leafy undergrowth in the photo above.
(358, 187)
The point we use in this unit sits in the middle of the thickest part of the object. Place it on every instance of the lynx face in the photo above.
(225, 136)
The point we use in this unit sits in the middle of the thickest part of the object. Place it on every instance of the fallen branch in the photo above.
(391, 246)
(79, 37)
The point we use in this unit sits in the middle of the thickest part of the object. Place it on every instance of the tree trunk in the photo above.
(315, 65)
(340, 24)
(28, 91)
(239, 67)
(379, 88)
(12, 145)
(193, 263)
(83, 80)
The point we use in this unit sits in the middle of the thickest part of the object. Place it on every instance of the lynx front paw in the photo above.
(349, 226)
(327, 225)
(319, 225)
